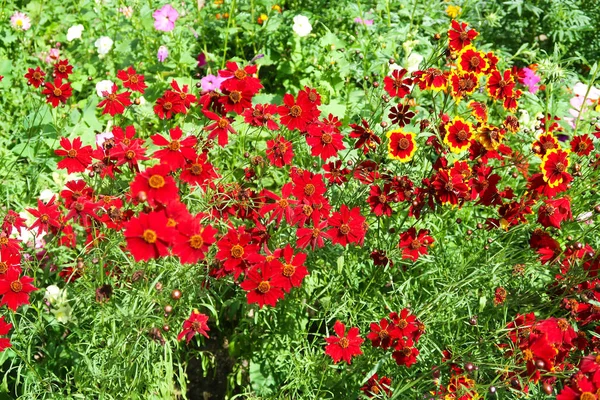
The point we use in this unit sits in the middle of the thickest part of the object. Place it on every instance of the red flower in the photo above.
(458, 135)
(149, 236)
(312, 236)
(401, 145)
(377, 387)
(11, 221)
(199, 172)
(396, 85)
(47, 215)
(342, 346)
(57, 93)
(186, 98)
(367, 139)
(471, 60)
(77, 159)
(264, 285)
(68, 237)
(236, 252)
(169, 104)
(414, 245)
(62, 69)
(196, 323)
(309, 187)
(449, 187)
(15, 289)
(324, 141)
(480, 111)
(193, 241)
(240, 75)
(581, 387)
(500, 86)
(177, 151)
(463, 84)
(401, 115)
(4, 329)
(405, 353)
(35, 77)
(237, 99)
(553, 212)
(9, 259)
(582, 145)
(221, 128)
(380, 198)
(262, 115)
(335, 174)
(384, 335)
(292, 269)
(554, 167)
(297, 114)
(281, 206)
(347, 226)
(459, 36)
(431, 78)
(279, 151)
(155, 185)
(132, 80)
(114, 103)
(407, 324)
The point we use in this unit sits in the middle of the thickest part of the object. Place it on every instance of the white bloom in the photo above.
(413, 62)
(62, 314)
(104, 86)
(103, 44)
(302, 25)
(46, 195)
(53, 294)
(74, 32)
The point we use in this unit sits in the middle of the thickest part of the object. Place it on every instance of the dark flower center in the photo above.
(463, 36)
(130, 154)
(288, 270)
(283, 203)
(168, 105)
(295, 111)
(235, 96)
(175, 145)
(264, 287)
(133, 79)
(62, 68)
(240, 74)
(237, 251)
(560, 167)
(37, 76)
(3, 267)
(474, 62)
(222, 123)
(72, 153)
(415, 244)
(326, 138)
(344, 343)
(587, 396)
(156, 181)
(404, 323)
(309, 189)
(462, 135)
(196, 169)
(57, 92)
(149, 236)
(196, 242)
(403, 144)
(16, 286)
(344, 229)
(383, 334)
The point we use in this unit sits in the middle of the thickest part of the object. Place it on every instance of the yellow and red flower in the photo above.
(471, 60)
(459, 36)
(401, 145)
(463, 84)
(490, 136)
(458, 135)
(554, 167)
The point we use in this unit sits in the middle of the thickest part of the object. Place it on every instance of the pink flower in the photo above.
(367, 22)
(164, 18)
(20, 21)
(162, 53)
(531, 80)
(211, 82)
(52, 56)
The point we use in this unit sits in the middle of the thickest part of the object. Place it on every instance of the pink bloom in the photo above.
(531, 80)
(20, 21)
(211, 82)
(367, 22)
(162, 53)
(164, 18)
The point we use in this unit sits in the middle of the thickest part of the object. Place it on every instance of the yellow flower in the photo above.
(453, 11)
(262, 18)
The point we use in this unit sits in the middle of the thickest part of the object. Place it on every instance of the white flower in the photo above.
(103, 44)
(413, 61)
(46, 195)
(54, 294)
(74, 32)
(104, 86)
(62, 314)
(302, 25)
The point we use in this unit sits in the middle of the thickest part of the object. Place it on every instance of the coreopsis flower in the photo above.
(402, 145)
(544, 143)
(149, 236)
(83, 210)
(220, 129)
(15, 289)
(489, 136)
(366, 138)
(313, 236)
(582, 145)
(74, 32)
(347, 226)
(500, 85)
(554, 167)
(236, 251)
(35, 77)
(114, 103)
(431, 78)
(9, 259)
(4, 329)
(343, 346)
(335, 172)
(199, 171)
(462, 84)
(499, 296)
(164, 18)
(459, 36)
(77, 157)
(397, 85)
(405, 353)
(292, 268)
(471, 60)
(68, 238)
(297, 113)
(384, 335)
(162, 53)
(237, 99)
(407, 324)
(233, 75)
(47, 215)
(57, 92)
(20, 21)
(280, 151)
(324, 141)
(309, 187)
(103, 44)
(554, 212)
(193, 241)
(479, 111)
(12, 221)
(581, 387)
(264, 284)
(380, 198)
(62, 69)
(377, 387)
(262, 115)
(175, 152)
(186, 97)
(458, 135)
(155, 185)
(281, 206)
(132, 80)
(169, 104)
(196, 323)
(302, 26)
(401, 115)
(414, 245)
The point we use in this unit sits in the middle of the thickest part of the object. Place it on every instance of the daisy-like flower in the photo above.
(77, 157)
(397, 85)
(236, 251)
(377, 387)
(114, 103)
(459, 36)
(57, 93)
(347, 226)
(554, 167)
(62, 69)
(582, 145)
(458, 135)
(366, 138)
(500, 85)
(149, 236)
(20, 21)
(343, 346)
(262, 115)
(462, 84)
(324, 141)
(103, 44)
(264, 285)
(47, 216)
(35, 77)
(402, 146)
(414, 245)
(401, 115)
(431, 78)
(471, 60)
(220, 129)
(554, 212)
(292, 268)
(132, 80)
(175, 152)
(15, 289)
(405, 353)
(199, 172)
(4, 329)
(193, 240)
(384, 335)
(155, 185)
(196, 323)
(297, 113)
(164, 18)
